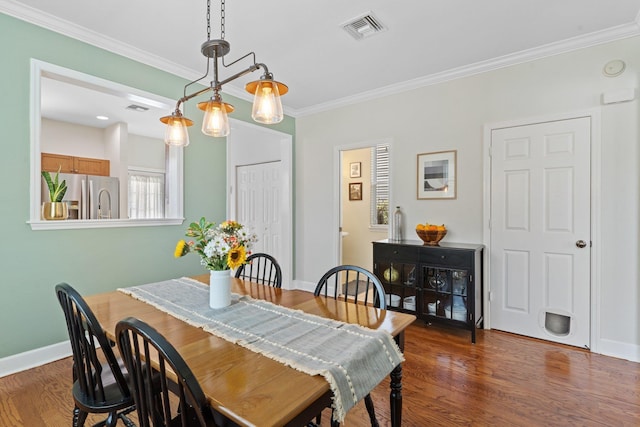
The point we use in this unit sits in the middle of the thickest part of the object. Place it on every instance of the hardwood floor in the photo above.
(502, 380)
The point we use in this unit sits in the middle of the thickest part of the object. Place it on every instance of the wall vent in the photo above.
(363, 26)
(138, 108)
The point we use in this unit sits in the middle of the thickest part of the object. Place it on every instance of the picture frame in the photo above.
(436, 175)
(355, 191)
(354, 170)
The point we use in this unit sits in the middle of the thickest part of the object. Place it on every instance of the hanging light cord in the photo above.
(222, 15)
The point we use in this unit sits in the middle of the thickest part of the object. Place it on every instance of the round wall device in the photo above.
(614, 68)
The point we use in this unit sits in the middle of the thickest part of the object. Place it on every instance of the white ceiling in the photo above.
(304, 45)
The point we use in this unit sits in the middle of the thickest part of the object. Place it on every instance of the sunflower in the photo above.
(181, 249)
(236, 257)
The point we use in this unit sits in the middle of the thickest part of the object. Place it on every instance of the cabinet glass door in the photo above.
(399, 282)
(444, 293)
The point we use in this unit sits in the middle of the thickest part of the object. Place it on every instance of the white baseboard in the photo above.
(620, 350)
(304, 286)
(32, 358)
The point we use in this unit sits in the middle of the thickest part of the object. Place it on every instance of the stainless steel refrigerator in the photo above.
(89, 196)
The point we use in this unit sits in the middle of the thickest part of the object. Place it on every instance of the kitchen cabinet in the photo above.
(439, 284)
(70, 164)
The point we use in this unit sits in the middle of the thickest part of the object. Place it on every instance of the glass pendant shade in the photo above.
(267, 107)
(176, 131)
(216, 121)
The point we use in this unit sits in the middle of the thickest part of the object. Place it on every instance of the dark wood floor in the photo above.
(502, 380)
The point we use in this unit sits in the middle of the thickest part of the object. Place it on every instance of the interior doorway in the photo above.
(259, 190)
(358, 191)
(354, 214)
(540, 237)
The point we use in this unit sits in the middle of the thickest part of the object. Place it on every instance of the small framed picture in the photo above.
(354, 170)
(437, 175)
(355, 191)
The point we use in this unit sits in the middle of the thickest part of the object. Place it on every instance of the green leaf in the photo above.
(47, 178)
(57, 189)
(60, 191)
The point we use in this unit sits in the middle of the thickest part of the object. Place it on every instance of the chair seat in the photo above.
(113, 398)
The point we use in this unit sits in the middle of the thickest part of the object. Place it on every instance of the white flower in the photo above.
(215, 244)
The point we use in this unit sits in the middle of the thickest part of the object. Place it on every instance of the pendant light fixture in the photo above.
(267, 108)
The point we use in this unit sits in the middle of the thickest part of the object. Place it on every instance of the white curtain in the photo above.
(146, 195)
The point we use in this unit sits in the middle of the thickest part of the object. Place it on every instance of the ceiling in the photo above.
(304, 45)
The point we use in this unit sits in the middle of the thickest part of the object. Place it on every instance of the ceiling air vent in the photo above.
(138, 108)
(363, 26)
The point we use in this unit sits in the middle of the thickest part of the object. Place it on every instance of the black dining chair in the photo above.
(352, 283)
(99, 386)
(358, 285)
(161, 401)
(261, 268)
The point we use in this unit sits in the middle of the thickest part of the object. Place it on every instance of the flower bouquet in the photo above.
(221, 247)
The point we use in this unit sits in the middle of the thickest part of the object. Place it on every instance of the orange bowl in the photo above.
(431, 237)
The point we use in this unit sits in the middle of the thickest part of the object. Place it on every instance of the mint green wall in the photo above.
(95, 260)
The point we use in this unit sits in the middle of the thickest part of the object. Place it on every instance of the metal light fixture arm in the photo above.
(267, 108)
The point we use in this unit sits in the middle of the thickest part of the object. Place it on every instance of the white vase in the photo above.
(219, 289)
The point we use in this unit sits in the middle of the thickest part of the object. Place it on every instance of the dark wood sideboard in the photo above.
(439, 284)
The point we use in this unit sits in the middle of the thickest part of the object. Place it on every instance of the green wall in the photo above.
(93, 260)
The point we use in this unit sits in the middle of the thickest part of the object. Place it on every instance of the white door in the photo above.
(259, 204)
(540, 230)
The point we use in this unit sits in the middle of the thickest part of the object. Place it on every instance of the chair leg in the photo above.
(79, 417)
(127, 422)
(372, 413)
(112, 419)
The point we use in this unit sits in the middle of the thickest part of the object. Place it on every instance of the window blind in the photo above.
(380, 170)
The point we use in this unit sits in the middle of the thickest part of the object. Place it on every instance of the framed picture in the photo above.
(437, 175)
(355, 191)
(354, 169)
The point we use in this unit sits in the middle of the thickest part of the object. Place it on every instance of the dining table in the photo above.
(247, 387)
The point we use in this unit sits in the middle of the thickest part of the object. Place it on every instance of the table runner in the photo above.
(353, 359)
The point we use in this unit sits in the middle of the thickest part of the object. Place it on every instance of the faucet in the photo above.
(100, 216)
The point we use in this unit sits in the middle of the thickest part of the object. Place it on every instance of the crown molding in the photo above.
(556, 48)
(41, 19)
(83, 34)
(67, 28)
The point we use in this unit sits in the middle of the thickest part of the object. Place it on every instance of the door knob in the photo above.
(581, 243)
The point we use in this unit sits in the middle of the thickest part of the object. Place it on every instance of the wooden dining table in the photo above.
(245, 386)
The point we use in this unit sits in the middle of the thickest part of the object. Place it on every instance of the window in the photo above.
(380, 185)
(146, 194)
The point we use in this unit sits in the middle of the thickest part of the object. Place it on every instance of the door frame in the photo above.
(285, 156)
(595, 207)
